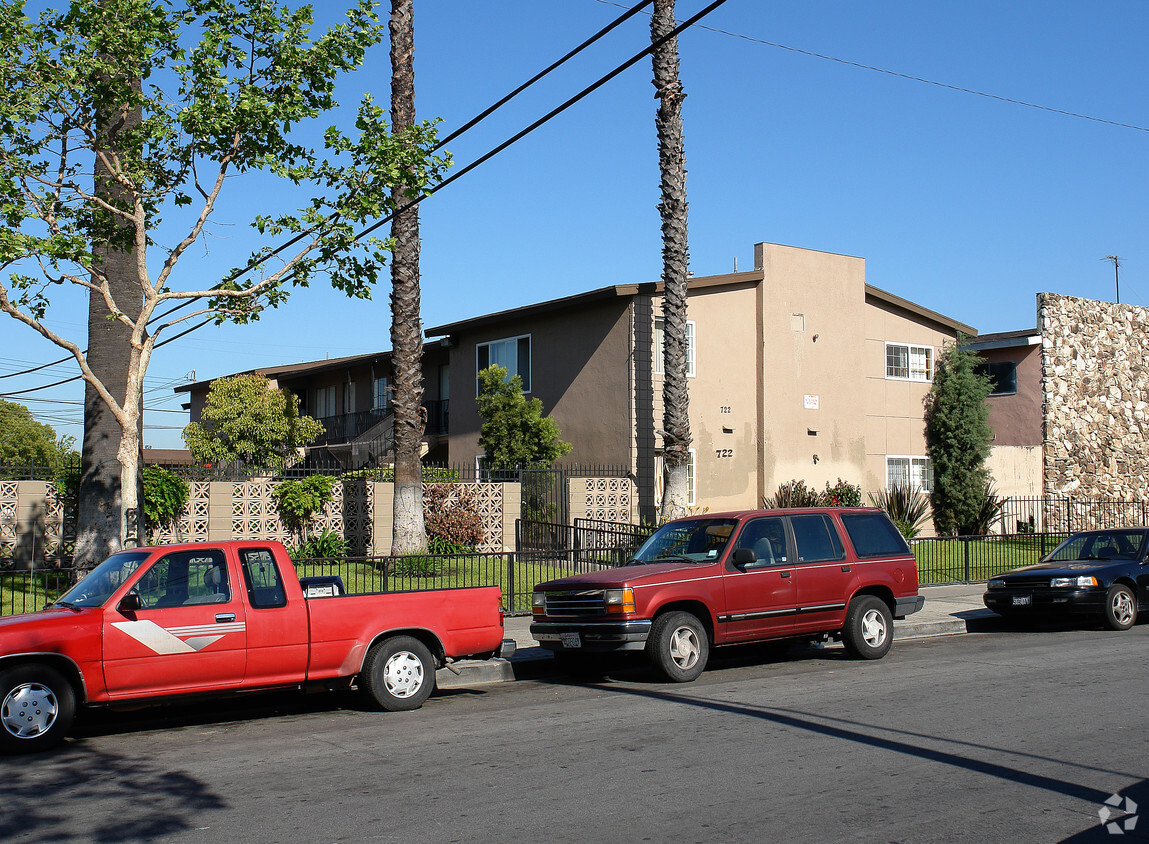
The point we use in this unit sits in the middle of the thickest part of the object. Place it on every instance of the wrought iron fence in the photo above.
(973, 559)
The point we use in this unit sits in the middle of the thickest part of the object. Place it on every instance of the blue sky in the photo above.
(966, 204)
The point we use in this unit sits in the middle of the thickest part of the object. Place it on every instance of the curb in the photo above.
(534, 663)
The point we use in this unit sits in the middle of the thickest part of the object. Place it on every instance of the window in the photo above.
(659, 333)
(185, 579)
(914, 363)
(873, 535)
(264, 588)
(325, 401)
(816, 539)
(1002, 376)
(691, 475)
(381, 394)
(766, 538)
(513, 354)
(915, 471)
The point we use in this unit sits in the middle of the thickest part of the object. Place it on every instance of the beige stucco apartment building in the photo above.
(798, 369)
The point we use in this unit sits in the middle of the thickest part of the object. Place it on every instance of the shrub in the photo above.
(298, 501)
(451, 518)
(792, 494)
(906, 506)
(842, 494)
(165, 497)
(988, 513)
(327, 544)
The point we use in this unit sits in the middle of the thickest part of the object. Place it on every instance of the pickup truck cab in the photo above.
(730, 578)
(150, 624)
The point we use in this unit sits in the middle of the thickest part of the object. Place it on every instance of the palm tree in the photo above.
(675, 258)
(409, 533)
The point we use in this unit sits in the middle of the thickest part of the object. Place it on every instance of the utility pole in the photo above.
(1116, 278)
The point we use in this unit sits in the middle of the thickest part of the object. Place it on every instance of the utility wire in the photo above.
(585, 92)
(912, 78)
(474, 121)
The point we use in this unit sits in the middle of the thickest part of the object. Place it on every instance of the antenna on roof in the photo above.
(1116, 278)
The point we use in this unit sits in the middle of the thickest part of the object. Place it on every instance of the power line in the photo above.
(585, 92)
(474, 121)
(911, 78)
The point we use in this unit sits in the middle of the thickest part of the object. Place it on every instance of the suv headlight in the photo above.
(1062, 582)
(619, 600)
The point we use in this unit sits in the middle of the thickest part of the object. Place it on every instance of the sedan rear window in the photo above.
(874, 535)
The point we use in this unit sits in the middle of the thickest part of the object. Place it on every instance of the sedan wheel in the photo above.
(1120, 607)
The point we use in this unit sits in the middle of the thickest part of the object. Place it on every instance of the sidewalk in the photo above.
(948, 610)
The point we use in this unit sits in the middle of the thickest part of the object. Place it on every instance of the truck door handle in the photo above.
(222, 617)
(785, 574)
(845, 568)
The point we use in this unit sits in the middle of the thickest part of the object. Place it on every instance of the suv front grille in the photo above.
(576, 603)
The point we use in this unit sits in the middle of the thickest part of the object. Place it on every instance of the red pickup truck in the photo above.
(211, 618)
(731, 578)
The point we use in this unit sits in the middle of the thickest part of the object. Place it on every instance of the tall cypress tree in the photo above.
(958, 438)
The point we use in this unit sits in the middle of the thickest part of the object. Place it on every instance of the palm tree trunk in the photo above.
(409, 534)
(675, 259)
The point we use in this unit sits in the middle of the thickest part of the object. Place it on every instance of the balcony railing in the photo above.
(349, 427)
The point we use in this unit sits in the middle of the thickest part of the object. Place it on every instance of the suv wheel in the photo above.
(869, 630)
(678, 646)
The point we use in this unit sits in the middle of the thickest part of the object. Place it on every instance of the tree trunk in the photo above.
(408, 527)
(110, 482)
(675, 258)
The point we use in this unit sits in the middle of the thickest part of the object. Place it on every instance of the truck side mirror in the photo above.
(130, 603)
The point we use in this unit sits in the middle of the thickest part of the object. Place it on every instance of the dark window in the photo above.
(184, 579)
(874, 535)
(1002, 376)
(766, 538)
(816, 538)
(264, 586)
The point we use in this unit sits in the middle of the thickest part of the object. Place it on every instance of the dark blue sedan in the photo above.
(1101, 573)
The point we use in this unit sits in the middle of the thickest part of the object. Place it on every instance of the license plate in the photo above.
(1022, 600)
(570, 640)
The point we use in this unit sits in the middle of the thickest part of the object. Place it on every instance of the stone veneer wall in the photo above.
(1095, 383)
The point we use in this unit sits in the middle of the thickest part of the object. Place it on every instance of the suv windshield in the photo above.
(688, 540)
(103, 580)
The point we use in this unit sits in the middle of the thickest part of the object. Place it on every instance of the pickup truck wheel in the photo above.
(869, 630)
(399, 673)
(678, 646)
(1120, 607)
(37, 706)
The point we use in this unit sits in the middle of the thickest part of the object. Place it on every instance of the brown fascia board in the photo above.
(1004, 340)
(616, 291)
(288, 370)
(918, 311)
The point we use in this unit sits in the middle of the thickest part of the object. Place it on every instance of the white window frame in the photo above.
(920, 375)
(691, 477)
(529, 378)
(922, 479)
(691, 344)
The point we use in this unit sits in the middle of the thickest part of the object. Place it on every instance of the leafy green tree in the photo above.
(245, 419)
(26, 442)
(958, 438)
(672, 209)
(514, 432)
(115, 113)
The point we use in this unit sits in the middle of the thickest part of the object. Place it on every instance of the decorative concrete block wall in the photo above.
(1095, 382)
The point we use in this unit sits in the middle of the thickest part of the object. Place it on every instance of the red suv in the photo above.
(730, 578)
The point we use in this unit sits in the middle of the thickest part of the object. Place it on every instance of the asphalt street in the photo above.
(1018, 735)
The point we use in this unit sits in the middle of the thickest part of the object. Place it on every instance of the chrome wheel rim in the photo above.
(685, 648)
(1122, 606)
(403, 674)
(874, 628)
(29, 710)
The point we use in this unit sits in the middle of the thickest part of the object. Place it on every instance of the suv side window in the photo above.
(874, 535)
(766, 538)
(816, 539)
